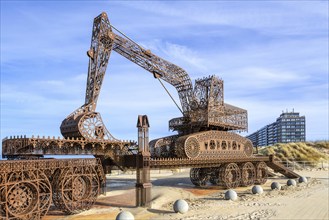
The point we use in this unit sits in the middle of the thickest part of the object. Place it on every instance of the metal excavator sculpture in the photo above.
(206, 118)
(204, 141)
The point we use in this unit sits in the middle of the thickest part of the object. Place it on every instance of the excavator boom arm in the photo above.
(159, 67)
(203, 106)
(99, 54)
(104, 40)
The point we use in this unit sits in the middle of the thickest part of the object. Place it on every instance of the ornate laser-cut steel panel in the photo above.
(27, 187)
(230, 175)
(75, 188)
(248, 174)
(23, 147)
(261, 173)
(24, 194)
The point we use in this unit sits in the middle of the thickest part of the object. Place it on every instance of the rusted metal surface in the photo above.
(230, 174)
(24, 193)
(229, 171)
(23, 147)
(277, 166)
(206, 144)
(143, 180)
(20, 145)
(199, 176)
(76, 188)
(202, 131)
(27, 187)
(248, 174)
(205, 141)
(261, 173)
(85, 122)
(202, 105)
(203, 108)
(167, 163)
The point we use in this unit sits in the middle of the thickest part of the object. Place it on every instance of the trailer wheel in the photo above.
(22, 198)
(75, 189)
(26, 194)
(230, 175)
(248, 174)
(261, 173)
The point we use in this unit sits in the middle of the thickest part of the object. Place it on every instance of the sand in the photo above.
(305, 201)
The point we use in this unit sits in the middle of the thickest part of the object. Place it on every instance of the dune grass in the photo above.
(312, 152)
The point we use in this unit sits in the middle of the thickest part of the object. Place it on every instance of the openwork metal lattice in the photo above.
(25, 193)
(27, 187)
(75, 188)
(248, 174)
(261, 173)
(205, 141)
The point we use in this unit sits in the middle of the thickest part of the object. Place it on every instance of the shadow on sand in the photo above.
(158, 211)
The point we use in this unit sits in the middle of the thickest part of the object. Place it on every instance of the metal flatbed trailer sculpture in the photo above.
(205, 141)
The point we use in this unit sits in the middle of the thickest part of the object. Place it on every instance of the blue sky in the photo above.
(272, 56)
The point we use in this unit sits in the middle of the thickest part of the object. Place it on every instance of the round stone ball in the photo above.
(180, 206)
(231, 195)
(291, 182)
(275, 185)
(125, 215)
(257, 189)
(302, 179)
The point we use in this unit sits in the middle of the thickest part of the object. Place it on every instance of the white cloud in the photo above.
(268, 17)
(261, 78)
(185, 54)
(178, 54)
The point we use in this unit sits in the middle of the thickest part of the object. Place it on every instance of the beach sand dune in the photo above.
(305, 201)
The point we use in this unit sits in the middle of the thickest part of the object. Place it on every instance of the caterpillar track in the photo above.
(207, 144)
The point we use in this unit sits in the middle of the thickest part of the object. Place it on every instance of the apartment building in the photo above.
(289, 127)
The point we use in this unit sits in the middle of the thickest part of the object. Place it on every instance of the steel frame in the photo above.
(27, 187)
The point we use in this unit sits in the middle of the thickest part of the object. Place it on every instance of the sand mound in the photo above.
(164, 197)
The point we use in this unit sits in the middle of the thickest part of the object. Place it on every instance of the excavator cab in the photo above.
(208, 110)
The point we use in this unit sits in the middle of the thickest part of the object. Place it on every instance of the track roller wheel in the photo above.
(199, 176)
(75, 188)
(215, 177)
(261, 173)
(248, 174)
(230, 175)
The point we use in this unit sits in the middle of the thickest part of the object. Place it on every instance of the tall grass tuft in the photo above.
(313, 152)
